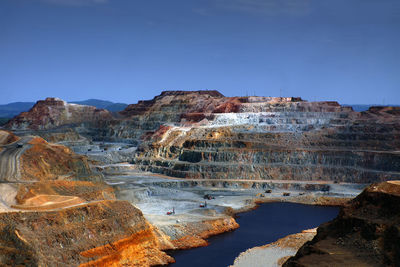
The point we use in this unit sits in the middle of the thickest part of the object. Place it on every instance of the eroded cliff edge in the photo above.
(54, 112)
(55, 210)
(205, 135)
(277, 138)
(224, 141)
(365, 233)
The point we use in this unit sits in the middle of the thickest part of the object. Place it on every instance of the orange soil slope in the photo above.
(89, 191)
(7, 137)
(46, 161)
(97, 234)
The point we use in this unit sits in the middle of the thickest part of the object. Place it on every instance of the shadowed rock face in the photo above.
(202, 134)
(365, 233)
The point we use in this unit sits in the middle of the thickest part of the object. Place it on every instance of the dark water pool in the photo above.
(263, 225)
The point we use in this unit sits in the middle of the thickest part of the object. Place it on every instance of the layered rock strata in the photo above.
(55, 211)
(204, 135)
(286, 139)
(7, 138)
(53, 112)
(365, 233)
(182, 233)
(34, 159)
(111, 233)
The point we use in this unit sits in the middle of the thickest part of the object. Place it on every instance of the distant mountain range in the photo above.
(359, 108)
(111, 106)
(11, 110)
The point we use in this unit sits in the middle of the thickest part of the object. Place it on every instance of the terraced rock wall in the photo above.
(98, 234)
(202, 134)
(282, 140)
(54, 112)
(55, 211)
(33, 159)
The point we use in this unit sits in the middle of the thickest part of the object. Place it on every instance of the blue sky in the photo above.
(126, 50)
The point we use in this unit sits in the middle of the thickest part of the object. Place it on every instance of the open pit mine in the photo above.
(81, 186)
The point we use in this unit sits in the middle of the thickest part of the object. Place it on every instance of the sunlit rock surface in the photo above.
(107, 233)
(33, 159)
(55, 210)
(276, 253)
(202, 134)
(53, 112)
(278, 138)
(7, 137)
(223, 145)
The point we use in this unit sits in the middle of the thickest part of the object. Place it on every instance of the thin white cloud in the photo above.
(75, 2)
(268, 7)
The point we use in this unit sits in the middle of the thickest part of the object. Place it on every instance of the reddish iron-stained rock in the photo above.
(7, 137)
(231, 105)
(34, 159)
(212, 136)
(198, 232)
(193, 117)
(46, 161)
(271, 138)
(102, 233)
(54, 112)
(87, 190)
(179, 102)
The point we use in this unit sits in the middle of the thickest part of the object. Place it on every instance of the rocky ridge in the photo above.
(224, 141)
(204, 135)
(54, 112)
(95, 234)
(277, 138)
(54, 210)
(32, 159)
(365, 233)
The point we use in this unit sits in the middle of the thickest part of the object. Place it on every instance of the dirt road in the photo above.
(9, 159)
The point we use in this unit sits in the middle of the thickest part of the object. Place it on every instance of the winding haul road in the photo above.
(9, 159)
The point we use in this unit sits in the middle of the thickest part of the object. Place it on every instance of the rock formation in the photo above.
(202, 134)
(106, 233)
(53, 112)
(277, 138)
(34, 159)
(365, 233)
(7, 138)
(275, 253)
(69, 217)
(43, 160)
